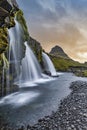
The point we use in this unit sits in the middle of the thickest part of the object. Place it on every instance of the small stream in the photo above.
(29, 104)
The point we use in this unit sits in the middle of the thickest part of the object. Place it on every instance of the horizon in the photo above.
(57, 22)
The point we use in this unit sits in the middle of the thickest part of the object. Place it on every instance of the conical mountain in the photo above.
(58, 51)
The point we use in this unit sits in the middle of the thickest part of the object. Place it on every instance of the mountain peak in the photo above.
(58, 51)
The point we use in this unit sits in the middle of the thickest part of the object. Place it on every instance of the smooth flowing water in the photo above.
(29, 104)
(22, 69)
(30, 68)
(15, 49)
(48, 64)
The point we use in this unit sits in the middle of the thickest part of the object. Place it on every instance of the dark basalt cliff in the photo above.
(7, 12)
(37, 48)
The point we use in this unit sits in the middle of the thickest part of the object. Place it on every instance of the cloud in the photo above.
(48, 5)
(82, 55)
(83, 32)
(61, 22)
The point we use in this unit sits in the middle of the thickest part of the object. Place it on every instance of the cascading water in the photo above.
(30, 68)
(27, 68)
(15, 48)
(48, 64)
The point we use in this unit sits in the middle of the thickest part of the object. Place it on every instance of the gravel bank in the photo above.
(72, 113)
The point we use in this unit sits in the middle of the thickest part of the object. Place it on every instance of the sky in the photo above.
(58, 22)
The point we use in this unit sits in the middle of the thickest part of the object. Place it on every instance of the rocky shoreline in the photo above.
(71, 115)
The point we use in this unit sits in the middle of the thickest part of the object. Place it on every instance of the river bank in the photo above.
(72, 113)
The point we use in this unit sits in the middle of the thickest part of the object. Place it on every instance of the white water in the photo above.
(15, 48)
(30, 68)
(48, 64)
(19, 98)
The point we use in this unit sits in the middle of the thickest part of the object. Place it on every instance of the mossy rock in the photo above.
(3, 40)
(20, 18)
(37, 48)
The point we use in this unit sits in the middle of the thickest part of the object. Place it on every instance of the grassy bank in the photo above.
(66, 64)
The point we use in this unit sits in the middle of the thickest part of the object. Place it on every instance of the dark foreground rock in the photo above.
(71, 115)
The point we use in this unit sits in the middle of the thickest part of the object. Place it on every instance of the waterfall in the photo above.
(48, 65)
(30, 68)
(26, 68)
(15, 49)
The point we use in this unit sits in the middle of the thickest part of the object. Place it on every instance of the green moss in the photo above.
(20, 18)
(63, 64)
(3, 45)
(85, 73)
(82, 73)
(5, 61)
(12, 23)
(3, 40)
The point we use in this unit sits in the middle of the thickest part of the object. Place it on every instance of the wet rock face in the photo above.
(8, 4)
(7, 11)
(5, 5)
(13, 3)
(37, 48)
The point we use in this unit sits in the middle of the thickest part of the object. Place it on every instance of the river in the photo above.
(29, 104)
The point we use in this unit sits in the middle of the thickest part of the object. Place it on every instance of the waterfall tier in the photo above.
(48, 65)
(30, 68)
(15, 48)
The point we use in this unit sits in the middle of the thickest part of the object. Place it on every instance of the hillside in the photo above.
(62, 62)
